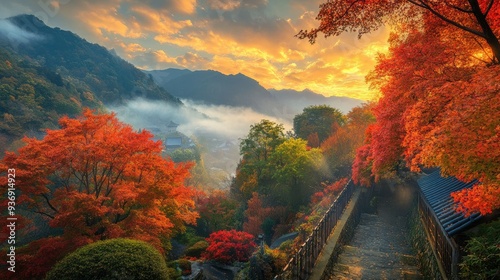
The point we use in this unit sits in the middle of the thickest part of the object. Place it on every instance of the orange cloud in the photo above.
(254, 37)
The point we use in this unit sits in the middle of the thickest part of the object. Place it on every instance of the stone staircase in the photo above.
(379, 249)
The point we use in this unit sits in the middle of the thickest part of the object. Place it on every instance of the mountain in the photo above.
(46, 73)
(212, 87)
(110, 78)
(296, 101)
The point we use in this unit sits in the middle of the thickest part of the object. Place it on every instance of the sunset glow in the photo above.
(252, 37)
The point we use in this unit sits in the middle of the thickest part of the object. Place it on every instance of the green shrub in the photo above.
(112, 259)
(185, 266)
(197, 248)
(180, 267)
(483, 253)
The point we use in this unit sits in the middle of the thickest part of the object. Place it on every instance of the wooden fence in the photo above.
(302, 262)
(445, 248)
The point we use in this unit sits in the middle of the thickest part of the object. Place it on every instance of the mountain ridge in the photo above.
(111, 78)
(202, 86)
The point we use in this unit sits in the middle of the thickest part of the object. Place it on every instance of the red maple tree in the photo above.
(96, 178)
(439, 85)
(228, 246)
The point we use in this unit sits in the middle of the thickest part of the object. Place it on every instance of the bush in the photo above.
(197, 249)
(178, 268)
(185, 266)
(483, 253)
(112, 259)
(227, 246)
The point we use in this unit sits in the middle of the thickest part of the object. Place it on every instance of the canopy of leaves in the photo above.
(112, 259)
(96, 178)
(253, 174)
(439, 108)
(322, 120)
(340, 148)
(477, 18)
(217, 212)
(228, 246)
(297, 172)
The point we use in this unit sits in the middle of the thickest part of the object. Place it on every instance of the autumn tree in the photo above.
(477, 18)
(228, 246)
(340, 148)
(320, 120)
(438, 86)
(95, 179)
(217, 212)
(255, 215)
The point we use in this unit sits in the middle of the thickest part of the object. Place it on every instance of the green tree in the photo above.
(252, 173)
(183, 155)
(297, 171)
(320, 119)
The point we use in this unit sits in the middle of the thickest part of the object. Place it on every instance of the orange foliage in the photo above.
(340, 148)
(481, 198)
(255, 215)
(440, 107)
(313, 140)
(475, 18)
(97, 179)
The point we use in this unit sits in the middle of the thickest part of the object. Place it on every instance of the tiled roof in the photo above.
(436, 190)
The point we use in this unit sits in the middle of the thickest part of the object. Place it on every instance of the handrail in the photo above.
(302, 262)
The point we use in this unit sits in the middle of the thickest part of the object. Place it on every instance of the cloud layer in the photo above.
(223, 122)
(254, 37)
(15, 34)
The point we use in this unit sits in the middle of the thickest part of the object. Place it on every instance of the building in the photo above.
(441, 222)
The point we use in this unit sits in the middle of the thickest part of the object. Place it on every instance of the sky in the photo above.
(252, 37)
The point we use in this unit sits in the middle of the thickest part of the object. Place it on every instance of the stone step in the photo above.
(377, 260)
(343, 271)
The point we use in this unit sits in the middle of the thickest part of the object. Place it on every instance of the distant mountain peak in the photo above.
(25, 19)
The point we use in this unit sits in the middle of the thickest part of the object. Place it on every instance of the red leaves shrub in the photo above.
(227, 246)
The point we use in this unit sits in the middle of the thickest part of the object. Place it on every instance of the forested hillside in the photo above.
(55, 73)
(33, 98)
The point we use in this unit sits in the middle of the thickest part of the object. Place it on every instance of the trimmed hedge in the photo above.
(113, 259)
(197, 249)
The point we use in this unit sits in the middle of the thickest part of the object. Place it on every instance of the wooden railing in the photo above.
(302, 262)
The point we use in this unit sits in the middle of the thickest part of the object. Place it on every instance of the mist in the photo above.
(15, 34)
(224, 122)
(216, 129)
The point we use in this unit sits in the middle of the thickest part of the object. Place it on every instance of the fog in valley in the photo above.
(215, 130)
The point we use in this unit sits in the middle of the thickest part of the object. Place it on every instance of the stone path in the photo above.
(379, 249)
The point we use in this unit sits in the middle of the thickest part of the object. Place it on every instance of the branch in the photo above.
(482, 48)
(450, 21)
(304, 33)
(459, 9)
(43, 213)
(48, 203)
(488, 8)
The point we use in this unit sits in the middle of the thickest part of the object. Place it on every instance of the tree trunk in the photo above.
(489, 36)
